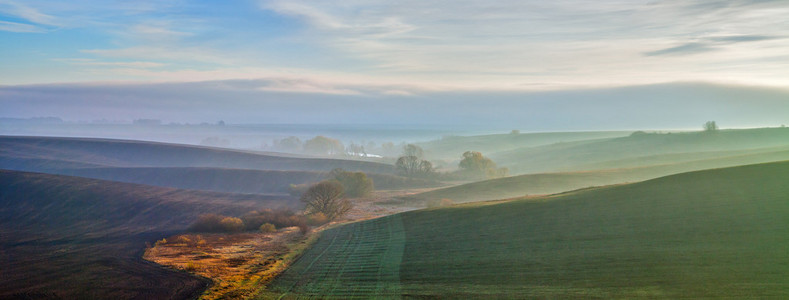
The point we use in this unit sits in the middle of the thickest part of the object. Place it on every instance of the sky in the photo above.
(375, 51)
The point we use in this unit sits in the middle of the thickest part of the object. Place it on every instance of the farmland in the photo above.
(715, 233)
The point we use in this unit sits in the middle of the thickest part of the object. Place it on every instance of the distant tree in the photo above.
(411, 163)
(289, 144)
(515, 132)
(710, 126)
(321, 145)
(355, 184)
(413, 150)
(326, 197)
(355, 150)
(475, 164)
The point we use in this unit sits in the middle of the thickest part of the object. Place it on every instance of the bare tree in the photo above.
(326, 197)
(411, 162)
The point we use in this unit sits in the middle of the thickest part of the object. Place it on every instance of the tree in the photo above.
(289, 144)
(710, 126)
(321, 145)
(411, 162)
(475, 164)
(326, 197)
(355, 184)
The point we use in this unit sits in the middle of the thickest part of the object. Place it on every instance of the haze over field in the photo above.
(289, 149)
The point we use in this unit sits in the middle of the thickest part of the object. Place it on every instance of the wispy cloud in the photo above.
(20, 27)
(689, 48)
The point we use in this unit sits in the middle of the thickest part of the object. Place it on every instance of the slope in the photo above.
(628, 151)
(451, 147)
(125, 153)
(72, 237)
(550, 183)
(706, 234)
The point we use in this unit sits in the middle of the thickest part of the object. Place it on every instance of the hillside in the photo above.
(640, 150)
(550, 183)
(451, 147)
(73, 237)
(708, 234)
(125, 153)
(233, 180)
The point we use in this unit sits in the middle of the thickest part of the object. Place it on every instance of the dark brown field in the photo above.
(76, 238)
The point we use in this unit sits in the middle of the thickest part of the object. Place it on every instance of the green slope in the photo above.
(716, 233)
(550, 183)
(639, 150)
(451, 147)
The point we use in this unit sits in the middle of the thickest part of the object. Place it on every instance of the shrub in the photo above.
(278, 218)
(317, 218)
(191, 266)
(231, 224)
(303, 228)
(217, 223)
(355, 184)
(268, 228)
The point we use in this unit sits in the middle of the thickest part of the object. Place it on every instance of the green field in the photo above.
(717, 233)
(551, 183)
(640, 150)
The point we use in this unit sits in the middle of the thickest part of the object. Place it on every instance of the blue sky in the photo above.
(385, 49)
(325, 45)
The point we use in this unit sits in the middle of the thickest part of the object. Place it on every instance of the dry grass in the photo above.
(239, 264)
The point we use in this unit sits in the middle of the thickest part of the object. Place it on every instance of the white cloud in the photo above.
(20, 27)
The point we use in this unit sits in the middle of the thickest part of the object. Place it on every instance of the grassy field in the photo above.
(640, 150)
(451, 147)
(716, 233)
(550, 183)
(77, 238)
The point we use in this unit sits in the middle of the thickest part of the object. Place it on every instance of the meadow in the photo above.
(714, 233)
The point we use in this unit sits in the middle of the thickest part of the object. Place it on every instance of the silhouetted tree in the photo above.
(710, 126)
(326, 197)
(411, 162)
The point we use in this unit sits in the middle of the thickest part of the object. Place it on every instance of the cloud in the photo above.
(20, 27)
(27, 13)
(710, 44)
(743, 38)
(689, 48)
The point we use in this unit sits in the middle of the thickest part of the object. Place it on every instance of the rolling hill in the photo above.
(77, 238)
(640, 149)
(451, 147)
(550, 183)
(19, 150)
(708, 234)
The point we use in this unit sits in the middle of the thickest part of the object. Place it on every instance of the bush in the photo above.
(278, 218)
(317, 218)
(217, 223)
(231, 224)
(268, 228)
(355, 184)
